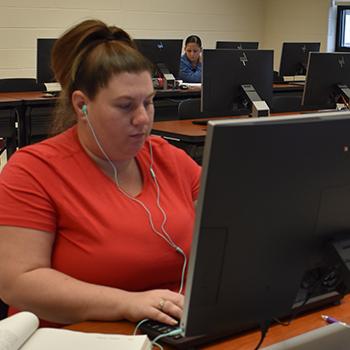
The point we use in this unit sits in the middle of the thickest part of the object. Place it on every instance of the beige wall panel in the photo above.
(297, 20)
(268, 21)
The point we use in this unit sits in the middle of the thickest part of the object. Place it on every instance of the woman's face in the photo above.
(193, 52)
(121, 115)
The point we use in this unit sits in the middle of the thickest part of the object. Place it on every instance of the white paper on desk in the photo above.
(20, 332)
(59, 339)
(193, 84)
(15, 329)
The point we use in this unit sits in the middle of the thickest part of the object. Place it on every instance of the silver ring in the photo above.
(161, 304)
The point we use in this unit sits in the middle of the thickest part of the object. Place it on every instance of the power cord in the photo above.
(172, 333)
(264, 329)
(309, 294)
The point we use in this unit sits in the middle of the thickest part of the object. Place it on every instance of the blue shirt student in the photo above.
(190, 64)
(188, 73)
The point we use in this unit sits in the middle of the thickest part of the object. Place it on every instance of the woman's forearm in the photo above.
(59, 298)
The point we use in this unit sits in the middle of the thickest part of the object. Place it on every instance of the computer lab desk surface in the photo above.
(185, 131)
(244, 341)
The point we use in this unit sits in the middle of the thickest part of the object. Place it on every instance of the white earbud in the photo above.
(84, 110)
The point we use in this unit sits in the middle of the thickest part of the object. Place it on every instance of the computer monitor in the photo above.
(274, 193)
(237, 45)
(224, 73)
(294, 58)
(327, 80)
(44, 73)
(165, 54)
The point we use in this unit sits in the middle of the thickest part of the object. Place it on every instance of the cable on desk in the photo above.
(264, 329)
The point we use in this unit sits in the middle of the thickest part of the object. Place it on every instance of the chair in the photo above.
(287, 103)
(8, 131)
(20, 84)
(3, 310)
(189, 108)
(38, 121)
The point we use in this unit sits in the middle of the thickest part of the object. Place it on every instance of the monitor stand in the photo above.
(259, 108)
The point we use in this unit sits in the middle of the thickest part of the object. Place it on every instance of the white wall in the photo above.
(22, 21)
(295, 20)
(268, 21)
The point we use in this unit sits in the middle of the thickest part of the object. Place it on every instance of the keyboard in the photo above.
(155, 328)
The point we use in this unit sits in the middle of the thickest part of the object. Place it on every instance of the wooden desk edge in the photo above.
(244, 341)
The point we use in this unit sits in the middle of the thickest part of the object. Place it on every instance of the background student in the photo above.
(191, 61)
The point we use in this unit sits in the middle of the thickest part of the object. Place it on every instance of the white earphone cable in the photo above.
(163, 234)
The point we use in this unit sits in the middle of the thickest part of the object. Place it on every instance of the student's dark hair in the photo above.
(85, 58)
(194, 39)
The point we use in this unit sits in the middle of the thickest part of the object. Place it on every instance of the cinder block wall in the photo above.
(268, 21)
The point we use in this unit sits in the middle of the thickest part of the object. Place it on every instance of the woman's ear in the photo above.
(79, 100)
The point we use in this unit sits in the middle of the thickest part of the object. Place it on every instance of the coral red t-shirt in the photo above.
(102, 236)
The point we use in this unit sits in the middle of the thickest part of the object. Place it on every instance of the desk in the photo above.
(186, 135)
(247, 340)
(34, 111)
(287, 87)
(34, 115)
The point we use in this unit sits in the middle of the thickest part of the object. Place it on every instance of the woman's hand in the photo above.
(160, 304)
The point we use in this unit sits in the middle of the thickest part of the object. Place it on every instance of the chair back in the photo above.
(189, 108)
(3, 310)
(287, 103)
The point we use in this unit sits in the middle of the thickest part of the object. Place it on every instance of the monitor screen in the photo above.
(274, 192)
(294, 58)
(324, 72)
(44, 73)
(224, 71)
(237, 45)
(165, 52)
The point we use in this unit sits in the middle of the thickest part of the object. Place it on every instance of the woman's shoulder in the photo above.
(52, 148)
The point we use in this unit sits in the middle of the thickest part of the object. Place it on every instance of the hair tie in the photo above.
(110, 37)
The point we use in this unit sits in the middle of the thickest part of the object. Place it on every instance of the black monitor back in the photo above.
(294, 58)
(162, 51)
(253, 45)
(44, 73)
(224, 71)
(273, 192)
(324, 72)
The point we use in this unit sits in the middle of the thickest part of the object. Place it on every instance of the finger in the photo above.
(172, 309)
(175, 298)
(163, 317)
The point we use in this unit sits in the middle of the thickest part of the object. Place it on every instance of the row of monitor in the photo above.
(225, 71)
(168, 52)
